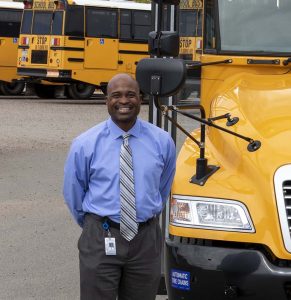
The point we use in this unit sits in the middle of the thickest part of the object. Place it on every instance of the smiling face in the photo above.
(123, 100)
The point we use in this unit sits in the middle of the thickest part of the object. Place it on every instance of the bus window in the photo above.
(101, 23)
(10, 23)
(57, 25)
(190, 23)
(125, 27)
(42, 22)
(138, 29)
(26, 22)
(141, 24)
(74, 25)
(209, 26)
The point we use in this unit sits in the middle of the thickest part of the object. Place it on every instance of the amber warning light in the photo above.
(56, 42)
(24, 41)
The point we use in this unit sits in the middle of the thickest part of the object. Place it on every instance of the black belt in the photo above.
(117, 225)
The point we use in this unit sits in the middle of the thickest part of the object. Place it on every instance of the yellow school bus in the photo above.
(230, 227)
(10, 19)
(80, 44)
(229, 216)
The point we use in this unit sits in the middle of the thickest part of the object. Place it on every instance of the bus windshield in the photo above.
(42, 22)
(260, 26)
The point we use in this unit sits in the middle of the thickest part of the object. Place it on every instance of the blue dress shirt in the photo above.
(91, 175)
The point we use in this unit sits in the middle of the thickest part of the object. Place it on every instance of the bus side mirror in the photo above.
(160, 76)
(164, 43)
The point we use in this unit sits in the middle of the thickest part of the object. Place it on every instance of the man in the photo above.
(117, 179)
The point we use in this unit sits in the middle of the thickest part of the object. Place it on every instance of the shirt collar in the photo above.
(117, 132)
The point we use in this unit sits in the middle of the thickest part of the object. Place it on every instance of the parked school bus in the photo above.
(81, 44)
(10, 19)
(230, 207)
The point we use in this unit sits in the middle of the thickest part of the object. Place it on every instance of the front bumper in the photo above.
(46, 74)
(204, 272)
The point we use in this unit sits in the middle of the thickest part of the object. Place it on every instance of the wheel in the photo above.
(44, 91)
(29, 91)
(12, 88)
(67, 92)
(80, 90)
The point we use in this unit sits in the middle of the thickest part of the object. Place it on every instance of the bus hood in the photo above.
(263, 105)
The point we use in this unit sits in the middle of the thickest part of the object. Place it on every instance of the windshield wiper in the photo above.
(196, 65)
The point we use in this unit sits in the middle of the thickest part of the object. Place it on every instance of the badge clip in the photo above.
(105, 225)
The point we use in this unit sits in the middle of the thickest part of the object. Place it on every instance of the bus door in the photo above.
(9, 31)
(10, 19)
(101, 40)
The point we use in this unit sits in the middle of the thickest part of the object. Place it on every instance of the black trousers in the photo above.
(132, 274)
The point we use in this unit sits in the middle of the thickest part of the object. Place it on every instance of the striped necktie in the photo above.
(128, 224)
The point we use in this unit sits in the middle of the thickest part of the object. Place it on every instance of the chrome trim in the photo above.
(281, 175)
(217, 201)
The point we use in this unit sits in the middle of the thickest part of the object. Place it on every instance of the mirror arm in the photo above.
(164, 111)
(203, 170)
(252, 146)
(198, 65)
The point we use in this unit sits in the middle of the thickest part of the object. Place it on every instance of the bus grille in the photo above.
(282, 182)
(39, 57)
(287, 200)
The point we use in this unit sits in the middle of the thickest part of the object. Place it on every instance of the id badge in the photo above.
(110, 246)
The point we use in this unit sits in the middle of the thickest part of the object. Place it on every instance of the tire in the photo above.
(29, 91)
(103, 88)
(12, 89)
(67, 92)
(44, 91)
(80, 90)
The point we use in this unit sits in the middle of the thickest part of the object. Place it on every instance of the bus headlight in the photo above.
(210, 213)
